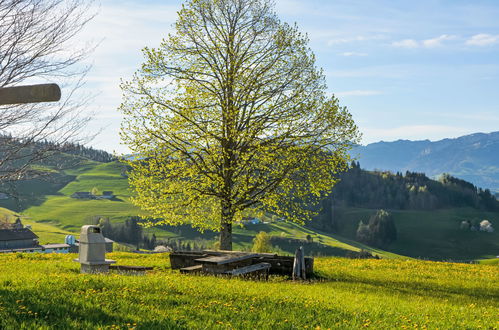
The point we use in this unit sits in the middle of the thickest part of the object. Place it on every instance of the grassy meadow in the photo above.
(46, 291)
(59, 215)
(70, 214)
(421, 234)
(433, 234)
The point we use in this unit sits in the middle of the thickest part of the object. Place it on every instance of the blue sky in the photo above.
(426, 69)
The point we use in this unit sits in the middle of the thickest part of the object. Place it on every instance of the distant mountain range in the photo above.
(474, 158)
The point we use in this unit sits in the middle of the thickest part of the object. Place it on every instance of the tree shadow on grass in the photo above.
(30, 309)
(24, 194)
(412, 288)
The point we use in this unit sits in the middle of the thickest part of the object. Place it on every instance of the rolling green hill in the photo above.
(432, 234)
(70, 213)
(59, 214)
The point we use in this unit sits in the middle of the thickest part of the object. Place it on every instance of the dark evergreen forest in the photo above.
(378, 190)
(409, 191)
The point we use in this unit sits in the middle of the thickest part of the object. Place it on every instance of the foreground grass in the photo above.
(47, 291)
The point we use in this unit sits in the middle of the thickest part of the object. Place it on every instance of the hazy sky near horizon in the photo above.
(426, 69)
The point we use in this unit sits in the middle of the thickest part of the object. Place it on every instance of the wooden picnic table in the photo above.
(235, 263)
(224, 263)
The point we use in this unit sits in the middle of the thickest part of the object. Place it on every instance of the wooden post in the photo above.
(30, 94)
(299, 271)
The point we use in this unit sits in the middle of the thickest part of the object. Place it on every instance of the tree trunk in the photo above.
(226, 236)
(226, 226)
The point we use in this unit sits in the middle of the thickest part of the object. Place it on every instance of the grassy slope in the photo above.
(324, 244)
(62, 211)
(70, 214)
(46, 291)
(435, 235)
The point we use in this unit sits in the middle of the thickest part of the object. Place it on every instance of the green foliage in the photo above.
(363, 232)
(261, 243)
(411, 191)
(130, 231)
(379, 232)
(231, 113)
(46, 291)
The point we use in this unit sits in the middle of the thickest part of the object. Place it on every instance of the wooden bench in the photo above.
(192, 269)
(256, 269)
(226, 259)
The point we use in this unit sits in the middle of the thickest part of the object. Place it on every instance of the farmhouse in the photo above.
(13, 239)
(82, 195)
(250, 221)
(89, 195)
(17, 238)
(105, 195)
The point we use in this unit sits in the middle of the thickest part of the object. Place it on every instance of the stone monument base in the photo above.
(94, 267)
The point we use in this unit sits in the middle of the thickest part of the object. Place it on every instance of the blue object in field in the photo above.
(70, 240)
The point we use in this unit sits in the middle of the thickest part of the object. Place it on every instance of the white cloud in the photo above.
(358, 93)
(427, 43)
(483, 39)
(406, 43)
(349, 54)
(436, 42)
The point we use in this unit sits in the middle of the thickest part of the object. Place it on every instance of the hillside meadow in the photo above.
(59, 215)
(432, 235)
(46, 291)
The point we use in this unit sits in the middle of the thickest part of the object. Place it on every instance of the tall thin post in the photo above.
(299, 271)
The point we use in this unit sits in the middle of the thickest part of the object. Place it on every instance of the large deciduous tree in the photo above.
(35, 47)
(230, 115)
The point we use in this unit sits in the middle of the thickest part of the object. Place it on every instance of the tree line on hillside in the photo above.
(52, 148)
(89, 152)
(131, 232)
(382, 190)
(412, 191)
